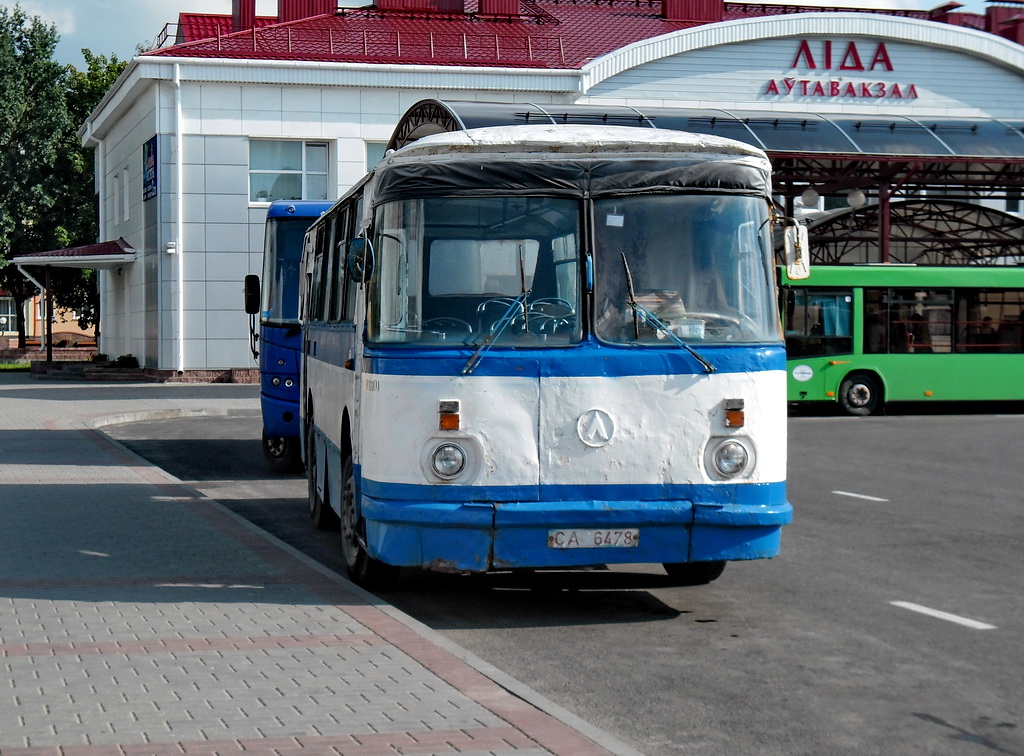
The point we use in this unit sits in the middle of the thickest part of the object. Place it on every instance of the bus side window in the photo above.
(990, 320)
(818, 323)
(921, 320)
(876, 321)
(332, 294)
(351, 231)
(337, 270)
(319, 283)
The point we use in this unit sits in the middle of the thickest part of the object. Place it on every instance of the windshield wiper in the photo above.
(642, 313)
(496, 330)
(506, 317)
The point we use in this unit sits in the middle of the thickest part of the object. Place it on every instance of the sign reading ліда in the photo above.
(837, 59)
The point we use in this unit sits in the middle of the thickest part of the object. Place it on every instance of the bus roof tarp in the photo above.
(481, 178)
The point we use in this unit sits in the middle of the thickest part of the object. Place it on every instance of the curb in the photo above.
(495, 675)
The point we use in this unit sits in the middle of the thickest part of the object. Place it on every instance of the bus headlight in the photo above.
(448, 460)
(728, 458)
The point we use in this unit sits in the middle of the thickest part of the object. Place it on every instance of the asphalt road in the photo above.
(892, 622)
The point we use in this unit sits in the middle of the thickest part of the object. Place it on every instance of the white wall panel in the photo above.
(226, 208)
(301, 98)
(297, 124)
(225, 237)
(227, 179)
(217, 96)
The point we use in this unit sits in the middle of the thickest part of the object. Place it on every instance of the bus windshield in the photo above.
(282, 251)
(696, 267)
(455, 271)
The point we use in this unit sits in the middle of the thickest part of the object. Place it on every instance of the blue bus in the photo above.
(536, 346)
(279, 339)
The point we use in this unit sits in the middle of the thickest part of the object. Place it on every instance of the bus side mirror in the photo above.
(798, 253)
(252, 294)
(360, 260)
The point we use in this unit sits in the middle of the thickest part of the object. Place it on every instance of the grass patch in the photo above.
(15, 367)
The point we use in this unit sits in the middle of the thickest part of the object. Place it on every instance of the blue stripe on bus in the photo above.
(711, 494)
(298, 209)
(583, 361)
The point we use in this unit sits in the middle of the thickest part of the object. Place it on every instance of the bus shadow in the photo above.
(912, 409)
(532, 598)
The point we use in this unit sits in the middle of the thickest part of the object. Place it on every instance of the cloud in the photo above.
(52, 13)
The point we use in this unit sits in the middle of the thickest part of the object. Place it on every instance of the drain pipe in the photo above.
(179, 168)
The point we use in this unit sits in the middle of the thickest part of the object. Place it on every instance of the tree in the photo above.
(76, 207)
(33, 122)
(47, 200)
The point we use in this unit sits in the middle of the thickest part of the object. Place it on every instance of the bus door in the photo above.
(819, 335)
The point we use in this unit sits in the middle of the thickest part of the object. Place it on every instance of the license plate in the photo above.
(622, 538)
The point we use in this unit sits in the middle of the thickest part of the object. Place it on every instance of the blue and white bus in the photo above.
(547, 347)
(277, 344)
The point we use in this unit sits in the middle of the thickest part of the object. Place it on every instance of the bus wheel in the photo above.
(282, 454)
(694, 573)
(860, 394)
(363, 569)
(320, 511)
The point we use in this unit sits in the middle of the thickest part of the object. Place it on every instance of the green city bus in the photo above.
(864, 335)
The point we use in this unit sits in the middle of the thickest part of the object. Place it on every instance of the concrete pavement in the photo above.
(137, 617)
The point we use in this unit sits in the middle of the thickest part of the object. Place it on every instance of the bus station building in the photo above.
(856, 106)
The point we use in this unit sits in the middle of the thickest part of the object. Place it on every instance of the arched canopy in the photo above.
(964, 157)
(922, 232)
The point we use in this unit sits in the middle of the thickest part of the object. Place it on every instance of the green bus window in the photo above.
(908, 321)
(818, 323)
(989, 320)
(920, 320)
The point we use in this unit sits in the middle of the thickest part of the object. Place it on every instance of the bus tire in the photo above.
(320, 512)
(363, 570)
(860, 394)
(694, 573)
(282, 454)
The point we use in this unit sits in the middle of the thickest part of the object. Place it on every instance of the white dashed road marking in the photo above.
(974, 624)
(858, 496)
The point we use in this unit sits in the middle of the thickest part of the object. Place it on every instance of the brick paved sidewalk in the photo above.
(137, 617)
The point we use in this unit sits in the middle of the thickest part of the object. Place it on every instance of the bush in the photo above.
(126, 361)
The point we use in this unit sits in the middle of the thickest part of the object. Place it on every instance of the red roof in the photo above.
(563, 34)
(197, 26)
(119, 247)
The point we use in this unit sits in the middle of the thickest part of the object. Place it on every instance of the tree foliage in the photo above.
(47, 199)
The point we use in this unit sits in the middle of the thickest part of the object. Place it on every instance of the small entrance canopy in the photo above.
(101, 256)
(832, 154)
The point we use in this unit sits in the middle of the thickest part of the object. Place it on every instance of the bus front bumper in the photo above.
(483, 536)
(280, 416)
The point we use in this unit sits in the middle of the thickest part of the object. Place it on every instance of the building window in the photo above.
(8, 316)
(116, 197)
(288, 170)
(126, 200)
(374, 153)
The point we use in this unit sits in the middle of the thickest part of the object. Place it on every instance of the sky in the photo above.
(118, 26)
